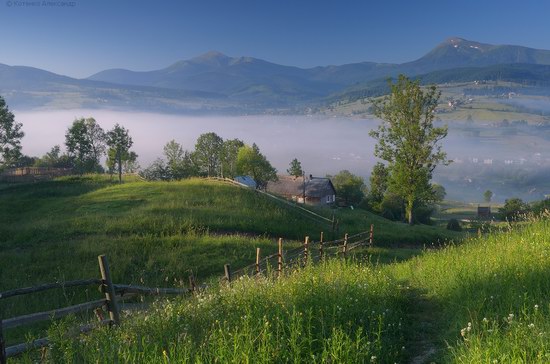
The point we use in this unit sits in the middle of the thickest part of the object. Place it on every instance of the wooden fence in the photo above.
(30, 174)
(113, 293)
(310, 251)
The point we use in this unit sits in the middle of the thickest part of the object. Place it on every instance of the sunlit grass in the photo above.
(493, 293)
(335, 312)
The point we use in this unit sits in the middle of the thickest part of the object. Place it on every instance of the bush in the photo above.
(454, 225)
(423, 214)
(392, 207)
(514, 209)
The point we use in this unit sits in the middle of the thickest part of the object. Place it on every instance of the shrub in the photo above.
(454, 225)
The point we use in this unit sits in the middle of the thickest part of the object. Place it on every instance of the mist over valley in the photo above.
(511, 161)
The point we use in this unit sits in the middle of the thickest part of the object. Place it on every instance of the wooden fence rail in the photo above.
(50, 315)
(44, 287)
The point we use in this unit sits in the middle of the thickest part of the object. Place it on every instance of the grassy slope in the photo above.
(486, 301)
(153, 228)
(153, 233)
(492, 295)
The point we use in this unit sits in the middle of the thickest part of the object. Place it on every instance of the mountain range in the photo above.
(217, 82)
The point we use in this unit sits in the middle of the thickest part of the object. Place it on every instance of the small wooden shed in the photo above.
(484, 212)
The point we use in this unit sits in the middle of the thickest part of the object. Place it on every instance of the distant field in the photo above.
(480, 109)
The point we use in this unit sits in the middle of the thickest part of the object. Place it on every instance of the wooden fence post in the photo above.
(371, 234)
(321, 247)
(227, 269)
(257, 261)
(109, 289)
(192, 284)
(306, 244)
(3, 358)
(345, 250)
(280, 258)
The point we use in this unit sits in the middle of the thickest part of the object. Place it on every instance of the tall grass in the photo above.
(336, 312)
(493, 293)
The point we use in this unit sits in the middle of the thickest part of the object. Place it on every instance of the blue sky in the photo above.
(80, 37)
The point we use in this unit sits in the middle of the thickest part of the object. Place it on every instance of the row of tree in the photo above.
(85, 141)
(212, 157)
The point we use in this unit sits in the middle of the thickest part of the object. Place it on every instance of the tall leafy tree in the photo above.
(119, 142)
(10, 137)
(230, 150)
(295, 168)
(208, 151)
(85, 142)
(408, 140)
(250, 161)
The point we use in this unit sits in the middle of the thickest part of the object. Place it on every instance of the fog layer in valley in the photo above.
(483, 156)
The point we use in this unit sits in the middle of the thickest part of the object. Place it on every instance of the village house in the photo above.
(309, 190)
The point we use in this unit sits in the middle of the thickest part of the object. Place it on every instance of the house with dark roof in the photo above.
(309, 190)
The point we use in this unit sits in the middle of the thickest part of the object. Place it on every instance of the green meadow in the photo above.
(420, 295)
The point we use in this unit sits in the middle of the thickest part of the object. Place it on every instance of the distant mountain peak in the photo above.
(454, 40)
(210, 55)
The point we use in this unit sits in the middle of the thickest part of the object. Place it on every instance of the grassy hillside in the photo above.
(155, 234)
(485, 301)
(153, 228)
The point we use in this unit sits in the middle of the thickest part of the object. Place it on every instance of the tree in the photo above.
(25, 161)
(253, 163)
(349, 187)
(131, 164)
(488, 195)
(208, 150)
(157, 171)
(174, 154)
(378, 186)
(295, 168)
(408, 140)
(230, 150)
(85, 142)
(119, 142)
(178, 161)
(55, 159)
(513, 209)
(10, 137)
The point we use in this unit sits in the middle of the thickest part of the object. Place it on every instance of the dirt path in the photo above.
(423, 341)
